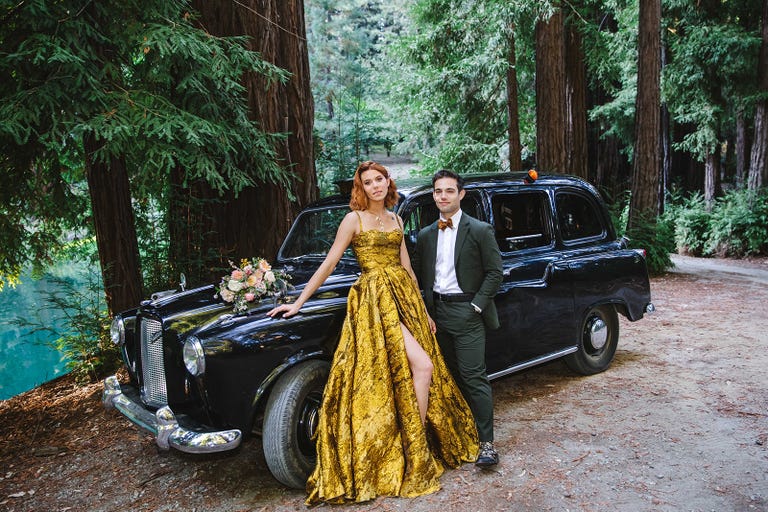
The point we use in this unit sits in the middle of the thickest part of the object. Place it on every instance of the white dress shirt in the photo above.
(445, 271)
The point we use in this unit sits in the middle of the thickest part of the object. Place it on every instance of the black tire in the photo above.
(599, 339)
(290, 421)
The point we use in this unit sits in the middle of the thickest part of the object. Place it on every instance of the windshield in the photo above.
(313, 233)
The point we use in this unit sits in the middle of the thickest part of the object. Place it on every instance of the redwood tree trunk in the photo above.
(711, 177)
(646, 166)
(513, 111)
(550, 95)
(256, 222)
(115, 229)
(576, 105)
(740, 148)
(757, 161)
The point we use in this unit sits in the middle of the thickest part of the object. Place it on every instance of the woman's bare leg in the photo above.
(421, 370)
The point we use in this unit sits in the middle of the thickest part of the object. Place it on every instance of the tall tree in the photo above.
(577, 162)
(647, 155)
(550, 94)
(513, 108)
(758, 162)
(119, 93)
(256, 221)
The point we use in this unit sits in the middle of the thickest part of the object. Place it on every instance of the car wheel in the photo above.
(290, 421)
(599, 339)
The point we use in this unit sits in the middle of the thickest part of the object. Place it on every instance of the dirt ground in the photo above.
(679, 422)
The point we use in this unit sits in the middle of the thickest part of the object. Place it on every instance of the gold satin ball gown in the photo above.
(370, 438)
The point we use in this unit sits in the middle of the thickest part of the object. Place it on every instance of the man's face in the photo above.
(447, 196)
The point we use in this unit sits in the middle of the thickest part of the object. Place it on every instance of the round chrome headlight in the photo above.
(194, 358)
(117, 330)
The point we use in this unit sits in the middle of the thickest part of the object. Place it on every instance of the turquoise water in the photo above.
(27, 358)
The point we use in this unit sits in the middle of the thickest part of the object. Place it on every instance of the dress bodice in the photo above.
(376, 249)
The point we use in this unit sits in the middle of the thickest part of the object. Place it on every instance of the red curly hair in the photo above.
(359, 199)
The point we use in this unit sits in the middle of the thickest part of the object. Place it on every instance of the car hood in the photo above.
(201, 311)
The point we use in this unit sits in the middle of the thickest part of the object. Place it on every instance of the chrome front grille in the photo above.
(153, 390)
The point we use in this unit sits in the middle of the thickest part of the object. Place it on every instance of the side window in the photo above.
(422, 212)
(521, 220)
(578, 216)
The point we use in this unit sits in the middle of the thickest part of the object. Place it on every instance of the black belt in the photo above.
(453, 297)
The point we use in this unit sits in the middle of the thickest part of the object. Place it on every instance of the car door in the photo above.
(535, 301)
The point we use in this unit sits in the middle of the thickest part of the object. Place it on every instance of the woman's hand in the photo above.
(288, 310)
(432, 324)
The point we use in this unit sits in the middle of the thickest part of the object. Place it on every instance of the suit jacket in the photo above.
(477, 261)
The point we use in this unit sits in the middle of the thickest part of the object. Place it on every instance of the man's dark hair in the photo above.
(445, 173)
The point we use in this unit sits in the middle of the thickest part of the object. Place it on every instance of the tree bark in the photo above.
(256, 221)
(513, 111)
(550, 95)
(711, 177)
(115, 230)
(757, 161)
(666, 145)
(646, 166)
(576, 108)
(740, 149)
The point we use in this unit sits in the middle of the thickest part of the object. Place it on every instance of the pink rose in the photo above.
(250, 297)
(237, 275)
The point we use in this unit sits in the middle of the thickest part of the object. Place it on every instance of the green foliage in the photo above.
(739, 224)
(84, 341)
(610, 49)
(691, 223)
(736, 226)
(140, 79)
(656, 237)
(451, 71)
(353, 112)
(39, 205)
(712, 69)
(459, 151)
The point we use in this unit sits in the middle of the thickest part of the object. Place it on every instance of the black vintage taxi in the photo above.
(203, 378)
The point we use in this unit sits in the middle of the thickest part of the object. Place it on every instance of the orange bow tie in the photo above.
(442, 224)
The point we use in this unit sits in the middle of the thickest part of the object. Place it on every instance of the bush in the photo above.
(656, 236)
(691, 224)
(738, 225)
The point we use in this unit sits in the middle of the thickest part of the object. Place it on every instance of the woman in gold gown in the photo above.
(391, 416)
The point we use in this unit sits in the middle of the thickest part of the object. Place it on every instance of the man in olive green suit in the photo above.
(458, 264)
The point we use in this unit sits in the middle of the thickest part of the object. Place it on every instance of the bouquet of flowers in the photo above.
(250, 282)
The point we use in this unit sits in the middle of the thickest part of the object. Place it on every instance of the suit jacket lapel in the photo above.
(461, 236)
(431, 255)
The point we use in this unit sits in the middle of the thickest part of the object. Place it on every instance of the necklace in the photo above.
(381, 222)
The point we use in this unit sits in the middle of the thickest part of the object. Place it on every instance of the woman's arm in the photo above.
(347, 230)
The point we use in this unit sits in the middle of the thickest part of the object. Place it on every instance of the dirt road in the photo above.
(679, 422)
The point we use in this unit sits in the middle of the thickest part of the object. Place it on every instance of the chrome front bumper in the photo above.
(164, 425)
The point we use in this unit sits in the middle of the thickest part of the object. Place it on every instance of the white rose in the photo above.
(227, 295)
(269, 276)
(235, 286)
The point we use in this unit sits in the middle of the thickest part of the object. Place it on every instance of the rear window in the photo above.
(578, 217)
(521, 220)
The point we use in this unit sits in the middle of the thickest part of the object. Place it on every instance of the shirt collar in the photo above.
(455, 219)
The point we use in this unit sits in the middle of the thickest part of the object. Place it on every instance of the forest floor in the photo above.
(678, 422)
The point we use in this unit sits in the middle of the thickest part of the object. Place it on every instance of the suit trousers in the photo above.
(461, 335)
